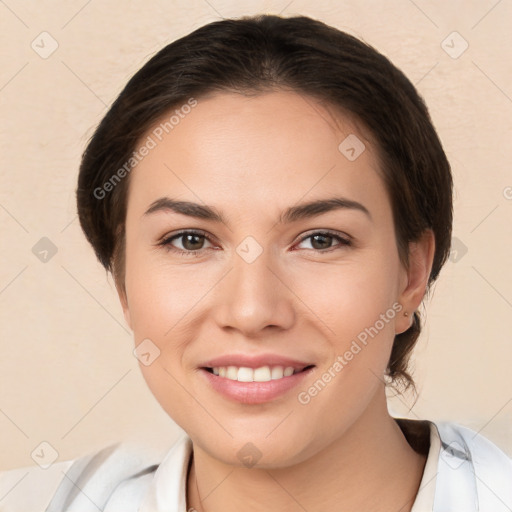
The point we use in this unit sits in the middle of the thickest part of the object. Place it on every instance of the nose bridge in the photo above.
(252, 295)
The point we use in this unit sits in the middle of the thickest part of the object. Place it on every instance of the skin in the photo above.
(250, 158)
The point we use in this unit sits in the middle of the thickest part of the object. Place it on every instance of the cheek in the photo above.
(161, 301)
(348, 298)
(160, 295)
(355, 304)
(357, 310)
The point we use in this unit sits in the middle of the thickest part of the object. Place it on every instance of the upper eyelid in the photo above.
(325, 232)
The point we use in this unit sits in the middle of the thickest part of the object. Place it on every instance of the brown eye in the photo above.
(192, 241)
(323, 241)
(186, 242)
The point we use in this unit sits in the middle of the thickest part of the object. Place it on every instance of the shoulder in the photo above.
(95, 478)
(470, 461)
(31, 487)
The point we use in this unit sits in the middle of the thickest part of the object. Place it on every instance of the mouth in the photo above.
(252, 386)
(262, 374)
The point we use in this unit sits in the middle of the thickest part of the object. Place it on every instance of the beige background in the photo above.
(67, 373)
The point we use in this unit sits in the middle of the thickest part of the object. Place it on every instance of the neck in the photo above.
(370, 467)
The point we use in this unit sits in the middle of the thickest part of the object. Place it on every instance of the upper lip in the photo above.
(255, 361)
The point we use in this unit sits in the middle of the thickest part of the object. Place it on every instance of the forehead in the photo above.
(268, 149)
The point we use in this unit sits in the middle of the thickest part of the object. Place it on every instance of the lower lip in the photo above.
(254, 392)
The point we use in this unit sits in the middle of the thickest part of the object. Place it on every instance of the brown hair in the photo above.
(264, 53)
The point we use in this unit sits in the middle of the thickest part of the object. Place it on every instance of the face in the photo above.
(247, 276)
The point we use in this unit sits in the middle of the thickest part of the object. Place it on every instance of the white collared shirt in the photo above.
(464, 472)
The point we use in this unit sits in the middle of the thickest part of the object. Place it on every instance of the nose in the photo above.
(254, 296)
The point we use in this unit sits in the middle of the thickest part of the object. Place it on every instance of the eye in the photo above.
(191, 242)
(321, 241)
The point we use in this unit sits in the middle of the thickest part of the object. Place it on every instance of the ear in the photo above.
(123, 299)
(414, 286)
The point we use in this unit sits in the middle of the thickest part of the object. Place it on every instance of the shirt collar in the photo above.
(168, 489)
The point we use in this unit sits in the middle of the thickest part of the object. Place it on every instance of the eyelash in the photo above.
(166, 242)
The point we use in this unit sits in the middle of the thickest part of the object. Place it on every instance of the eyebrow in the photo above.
(292, 214)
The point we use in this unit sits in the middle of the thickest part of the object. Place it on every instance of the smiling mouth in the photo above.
(261, 374)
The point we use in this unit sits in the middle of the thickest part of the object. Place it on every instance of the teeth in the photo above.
(262, 374)
(277, 372)
(244, 375)
(288, 371)
(232, 373)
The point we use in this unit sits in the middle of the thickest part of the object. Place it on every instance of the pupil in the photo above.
(191, 242)
(322, 238)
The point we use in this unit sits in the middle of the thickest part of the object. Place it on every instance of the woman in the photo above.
(273, 202)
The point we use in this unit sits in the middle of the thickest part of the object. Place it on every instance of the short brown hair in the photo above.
(264, 53)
